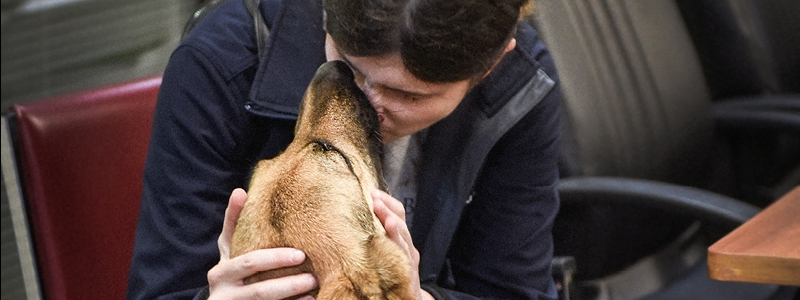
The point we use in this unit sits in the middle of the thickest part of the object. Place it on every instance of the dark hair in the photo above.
(438, 40)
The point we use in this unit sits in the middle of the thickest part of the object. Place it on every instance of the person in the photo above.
(468, 102)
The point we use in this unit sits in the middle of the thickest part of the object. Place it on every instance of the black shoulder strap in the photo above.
(262, 31)
(198, 15)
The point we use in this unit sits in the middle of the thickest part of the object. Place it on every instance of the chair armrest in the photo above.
(700, 204)
(774, 112)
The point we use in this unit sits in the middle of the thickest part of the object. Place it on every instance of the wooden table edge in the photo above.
(781, 273)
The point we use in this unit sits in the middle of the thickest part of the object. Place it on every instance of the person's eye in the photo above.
(407, 96)
(410, 97)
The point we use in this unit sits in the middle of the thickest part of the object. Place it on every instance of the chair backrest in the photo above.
(750, 52)
(636, 101)
(636, 105)
(747, 47)
(81, 160)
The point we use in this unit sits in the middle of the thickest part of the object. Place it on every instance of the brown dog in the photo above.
(315, 197)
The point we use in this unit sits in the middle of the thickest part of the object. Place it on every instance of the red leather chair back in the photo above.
(81, 162)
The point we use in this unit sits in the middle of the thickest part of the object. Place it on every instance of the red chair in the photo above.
(80, 160)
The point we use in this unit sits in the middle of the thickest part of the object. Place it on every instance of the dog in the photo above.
(314, 196)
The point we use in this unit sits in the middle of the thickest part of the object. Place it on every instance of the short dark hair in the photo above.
(438, 40)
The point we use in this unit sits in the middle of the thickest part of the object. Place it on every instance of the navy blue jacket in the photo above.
(487, 195)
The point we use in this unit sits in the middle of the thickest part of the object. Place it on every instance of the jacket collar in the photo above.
(294, 50)
(515, 69)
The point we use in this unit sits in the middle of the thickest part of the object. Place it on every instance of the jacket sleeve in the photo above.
(196, 158)
(504, 245)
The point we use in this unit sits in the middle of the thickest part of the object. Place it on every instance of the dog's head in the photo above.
(337, 116)
(336, 144)
(315, 196)
(324, 175)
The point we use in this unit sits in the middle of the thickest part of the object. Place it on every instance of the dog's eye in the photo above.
(325, 146)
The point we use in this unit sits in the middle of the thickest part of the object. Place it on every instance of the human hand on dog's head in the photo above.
(226, 279)
(392, 215)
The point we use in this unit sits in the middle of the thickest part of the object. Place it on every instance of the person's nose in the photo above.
(373, 96)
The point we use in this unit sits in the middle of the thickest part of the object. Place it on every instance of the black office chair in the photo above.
(601, 215)
(748, 48)
(639, 155)
(750, 58)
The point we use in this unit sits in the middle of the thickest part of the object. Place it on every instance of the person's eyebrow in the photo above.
(383, 86)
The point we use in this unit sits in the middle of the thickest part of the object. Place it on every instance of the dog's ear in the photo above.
(262, 166)
(305, 110)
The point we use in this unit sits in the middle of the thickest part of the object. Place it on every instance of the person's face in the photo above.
(405, 104)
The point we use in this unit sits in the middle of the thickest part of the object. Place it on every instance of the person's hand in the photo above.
(226, 279)
(392, 215)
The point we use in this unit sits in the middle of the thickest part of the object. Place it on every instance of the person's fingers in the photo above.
(227, 277)
(235, 204)
(394, 205)
(382, 212)
(284, 287)
(399, 233)
(391, 214)
(255, 261)
(277, 288)
(395, 226)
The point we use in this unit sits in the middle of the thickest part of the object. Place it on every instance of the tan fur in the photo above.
(315, 197)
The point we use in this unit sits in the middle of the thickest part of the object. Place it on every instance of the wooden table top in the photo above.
(765, 249)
